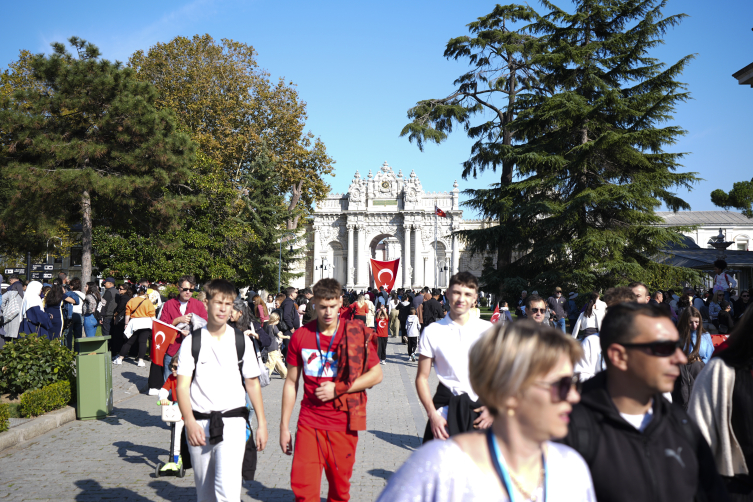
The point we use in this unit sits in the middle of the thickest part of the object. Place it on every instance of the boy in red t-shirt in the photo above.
(382, 332)
(323, 439)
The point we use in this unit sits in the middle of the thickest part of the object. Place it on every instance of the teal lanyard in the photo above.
(501, 469)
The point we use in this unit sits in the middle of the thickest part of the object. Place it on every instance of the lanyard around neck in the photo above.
(501, 469)
(319, 346)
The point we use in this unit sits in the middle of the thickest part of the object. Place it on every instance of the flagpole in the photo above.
(435, 244)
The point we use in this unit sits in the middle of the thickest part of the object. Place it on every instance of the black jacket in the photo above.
(310, 313)
(290, 315)
(669, 461)
(433, 311)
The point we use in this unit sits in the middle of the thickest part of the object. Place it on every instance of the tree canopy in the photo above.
(588, 147)
(86, 143)
(740, 197)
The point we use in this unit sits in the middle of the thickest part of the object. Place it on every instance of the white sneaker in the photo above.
(117, 360)
(153, 392)
(141, 362)
(383, 362)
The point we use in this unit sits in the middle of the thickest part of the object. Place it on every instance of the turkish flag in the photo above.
(163, 335)
(385, 273)
(495, 315)
(439, 212)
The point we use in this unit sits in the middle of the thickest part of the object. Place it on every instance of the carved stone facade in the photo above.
(386, 216)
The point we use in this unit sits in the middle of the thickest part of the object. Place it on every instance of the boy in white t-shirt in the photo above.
(212, 399)
(412, 328)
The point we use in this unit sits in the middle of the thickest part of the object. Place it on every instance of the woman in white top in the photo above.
(524, 373)
(590, 319)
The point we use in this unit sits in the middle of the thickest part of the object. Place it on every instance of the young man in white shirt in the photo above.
(212, 401)
(446, 344)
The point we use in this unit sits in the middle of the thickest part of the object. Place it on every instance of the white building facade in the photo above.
(386, 216)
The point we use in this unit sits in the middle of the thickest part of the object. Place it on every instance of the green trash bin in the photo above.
(93, 378)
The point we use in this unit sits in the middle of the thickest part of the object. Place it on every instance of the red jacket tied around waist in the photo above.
(352, 357)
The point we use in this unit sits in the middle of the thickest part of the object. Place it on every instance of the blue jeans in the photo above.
(560, 323)
(90, 325)
(166, 368)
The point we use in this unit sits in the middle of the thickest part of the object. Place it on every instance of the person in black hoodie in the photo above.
(289, 311)
(638, 445)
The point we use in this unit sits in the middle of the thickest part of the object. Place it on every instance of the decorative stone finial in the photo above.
(400, 173)
(455, 185)
(386, 167)
(357, 176)
(370, 175)
(412, 174)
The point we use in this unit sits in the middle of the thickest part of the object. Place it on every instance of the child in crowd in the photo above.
(274, 356)
(168, 391)
(412, 329)
(382, 333)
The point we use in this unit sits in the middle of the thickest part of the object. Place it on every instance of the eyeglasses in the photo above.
(185, 289)
(563, 385)
(658, 349)
(536, 311)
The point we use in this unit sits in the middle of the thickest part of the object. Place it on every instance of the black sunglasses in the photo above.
(563, 385)
(536, 311)
(185, 289)
(659, 349)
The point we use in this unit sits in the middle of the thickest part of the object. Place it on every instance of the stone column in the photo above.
(455, 256)
(349, 271)
(317, 274)
(406, 256)
(363, 260)
(418, 276)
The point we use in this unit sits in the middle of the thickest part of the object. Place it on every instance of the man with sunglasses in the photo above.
(536, 309)
(638, 445)
(741, 304)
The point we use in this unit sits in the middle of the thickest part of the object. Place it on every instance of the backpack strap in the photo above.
(195, 349)
(240, 349)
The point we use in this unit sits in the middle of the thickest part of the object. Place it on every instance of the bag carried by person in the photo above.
(282, 325)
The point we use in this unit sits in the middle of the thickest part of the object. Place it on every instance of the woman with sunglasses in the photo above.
(523, 372)
(721, 404)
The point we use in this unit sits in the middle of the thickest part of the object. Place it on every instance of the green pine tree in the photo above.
(740, 197)
(591, 152)
(91, 148)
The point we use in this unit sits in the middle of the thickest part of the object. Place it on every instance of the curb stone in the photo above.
(36, 427)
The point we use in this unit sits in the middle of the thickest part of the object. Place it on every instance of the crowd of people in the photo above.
(636, 403)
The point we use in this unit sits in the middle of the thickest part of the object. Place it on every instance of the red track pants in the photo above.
(317, 449)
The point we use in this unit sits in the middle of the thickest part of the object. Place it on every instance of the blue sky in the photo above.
(360, 66)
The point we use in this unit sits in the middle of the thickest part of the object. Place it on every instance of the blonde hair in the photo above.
(274, 318)
(509, 357)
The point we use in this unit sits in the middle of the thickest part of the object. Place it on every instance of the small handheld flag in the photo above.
(495, 315)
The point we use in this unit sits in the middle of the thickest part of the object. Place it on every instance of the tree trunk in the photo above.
(86, 237)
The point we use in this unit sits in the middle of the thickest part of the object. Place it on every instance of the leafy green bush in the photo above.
(33, 362)
(39, 401)
(4, 417)
(483, 301)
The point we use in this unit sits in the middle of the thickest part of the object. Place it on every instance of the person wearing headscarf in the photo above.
(33, 317)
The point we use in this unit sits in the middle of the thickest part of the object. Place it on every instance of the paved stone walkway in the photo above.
(114, 458)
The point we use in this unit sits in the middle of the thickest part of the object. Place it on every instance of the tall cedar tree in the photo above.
(591, 155)
(500, 61)
(93, 148)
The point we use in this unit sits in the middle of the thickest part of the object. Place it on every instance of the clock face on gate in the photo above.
(385, 185)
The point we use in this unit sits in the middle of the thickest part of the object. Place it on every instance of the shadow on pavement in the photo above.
(138, 417)
(134, 378)
(381, 473)
(140, 454)
(258, 491)
(406, 441)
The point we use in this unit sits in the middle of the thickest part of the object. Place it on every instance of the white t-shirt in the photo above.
(217, 386)
(183, 307)
(641, 421)
(449, 344)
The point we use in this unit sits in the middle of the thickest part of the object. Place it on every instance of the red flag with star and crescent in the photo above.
(163, 335)
(495, 315)
(439, 212)
(385, 273)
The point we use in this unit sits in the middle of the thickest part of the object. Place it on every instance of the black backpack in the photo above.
(240, 348)
(684, 383)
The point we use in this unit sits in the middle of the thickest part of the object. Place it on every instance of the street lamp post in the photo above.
(279, 265)
(324, 266)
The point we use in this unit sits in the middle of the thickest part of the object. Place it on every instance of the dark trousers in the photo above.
(142, 335)
(412, 343)
(382, 347)
(107, 323)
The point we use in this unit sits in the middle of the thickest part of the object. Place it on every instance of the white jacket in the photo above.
(592, 361)
(594, 321)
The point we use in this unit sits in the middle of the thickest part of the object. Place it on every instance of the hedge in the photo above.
(34, 362)
(4, 417)
(40, 401)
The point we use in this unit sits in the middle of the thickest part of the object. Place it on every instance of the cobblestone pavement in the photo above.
(114, 458)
